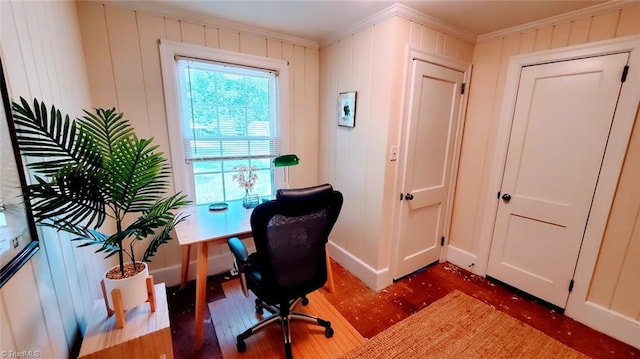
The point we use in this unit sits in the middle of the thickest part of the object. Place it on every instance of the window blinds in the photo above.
(226, 111)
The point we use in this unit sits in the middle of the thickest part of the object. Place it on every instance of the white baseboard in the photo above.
(217, 264)
(463, 259)
(607, 321)
(375, 279)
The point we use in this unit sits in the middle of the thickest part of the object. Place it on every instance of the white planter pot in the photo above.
(133, 289)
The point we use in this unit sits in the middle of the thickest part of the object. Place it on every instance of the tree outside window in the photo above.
(228, 118)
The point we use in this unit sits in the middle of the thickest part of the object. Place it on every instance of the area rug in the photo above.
(459, 326)
(235, 313)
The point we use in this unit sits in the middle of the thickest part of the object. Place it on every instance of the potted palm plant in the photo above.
(92, 170)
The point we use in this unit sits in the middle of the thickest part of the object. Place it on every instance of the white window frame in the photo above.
(183, 175)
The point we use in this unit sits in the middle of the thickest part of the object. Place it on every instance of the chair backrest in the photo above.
(290, 234)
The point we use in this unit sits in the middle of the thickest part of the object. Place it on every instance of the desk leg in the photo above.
(184, 277)
(201, 293)
(332, 288)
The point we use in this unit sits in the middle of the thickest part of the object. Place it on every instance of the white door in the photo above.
(561, 122)
(433, 117)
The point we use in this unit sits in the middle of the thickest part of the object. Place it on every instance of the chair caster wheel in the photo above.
(288, 354)
(305, 301)
(328, 332)
(241, 346)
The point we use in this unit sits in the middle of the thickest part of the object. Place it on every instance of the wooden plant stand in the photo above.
(116, 298)
(146, 335)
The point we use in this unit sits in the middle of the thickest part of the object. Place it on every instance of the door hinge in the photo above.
(401, 196)
(571, 282)
(442, 241)
(498, 194)
(463, 87)
(625, 72)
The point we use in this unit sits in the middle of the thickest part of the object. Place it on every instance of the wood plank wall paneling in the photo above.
(359, 143)
(69, 310)
(229, 40)
(343, 157)
(355, 159)
(628, 23)
(30, 37)
(560, 37)
(580, 31)
(150, 29)
(43, 305)
(328, 85)
(6, 332)
(490, 61)
(256, 45)
(18, 293)
(298, 95)
(103, 91)
(126, 57)
(121, 47)
(616, 281)
(479, 109)
(274, 49)
(191, 33)
(171, 28)
(604, 26)
(54, 315)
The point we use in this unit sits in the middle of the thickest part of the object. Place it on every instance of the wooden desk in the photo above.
(145, 334)
(215, 227)
(203, 227)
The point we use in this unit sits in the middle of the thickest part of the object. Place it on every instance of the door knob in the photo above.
(506, 197)
(408, 196)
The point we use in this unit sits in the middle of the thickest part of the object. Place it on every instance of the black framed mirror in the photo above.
(18, 236)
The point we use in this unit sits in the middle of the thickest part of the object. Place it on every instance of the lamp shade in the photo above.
(286, 160)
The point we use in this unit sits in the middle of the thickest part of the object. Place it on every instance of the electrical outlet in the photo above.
(15, 242)
(393, 156)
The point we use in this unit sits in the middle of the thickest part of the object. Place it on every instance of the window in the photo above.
(226, 114)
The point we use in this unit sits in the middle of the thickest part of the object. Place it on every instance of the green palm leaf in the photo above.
(139, 174)
(53, 139)
(70, 196)
(106, 127)
(158, 215)
(94, 167)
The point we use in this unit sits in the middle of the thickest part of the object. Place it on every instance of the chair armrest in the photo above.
(241, 257)
(238, 249)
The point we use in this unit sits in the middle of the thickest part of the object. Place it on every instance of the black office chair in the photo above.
(290, 235)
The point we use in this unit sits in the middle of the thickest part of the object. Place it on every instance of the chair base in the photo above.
(283, 317)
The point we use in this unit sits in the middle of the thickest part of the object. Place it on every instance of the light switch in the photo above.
(393, 156)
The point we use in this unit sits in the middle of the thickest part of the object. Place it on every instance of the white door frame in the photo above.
(411, 55)
(577, 307)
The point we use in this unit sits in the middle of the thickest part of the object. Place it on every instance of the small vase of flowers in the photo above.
(247, 177)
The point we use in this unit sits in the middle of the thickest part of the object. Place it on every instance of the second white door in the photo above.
(561, 124)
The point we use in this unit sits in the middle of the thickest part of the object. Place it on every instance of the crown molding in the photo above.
(569, 16)
(153, 8)
(404, 12)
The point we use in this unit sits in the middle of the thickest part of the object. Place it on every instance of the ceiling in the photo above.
(319, 20)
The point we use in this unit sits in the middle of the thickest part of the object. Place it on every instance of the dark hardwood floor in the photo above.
(371, 312)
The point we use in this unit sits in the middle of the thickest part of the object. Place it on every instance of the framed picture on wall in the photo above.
(347, 109)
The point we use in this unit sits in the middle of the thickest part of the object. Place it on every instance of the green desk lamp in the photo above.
(286, 161)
